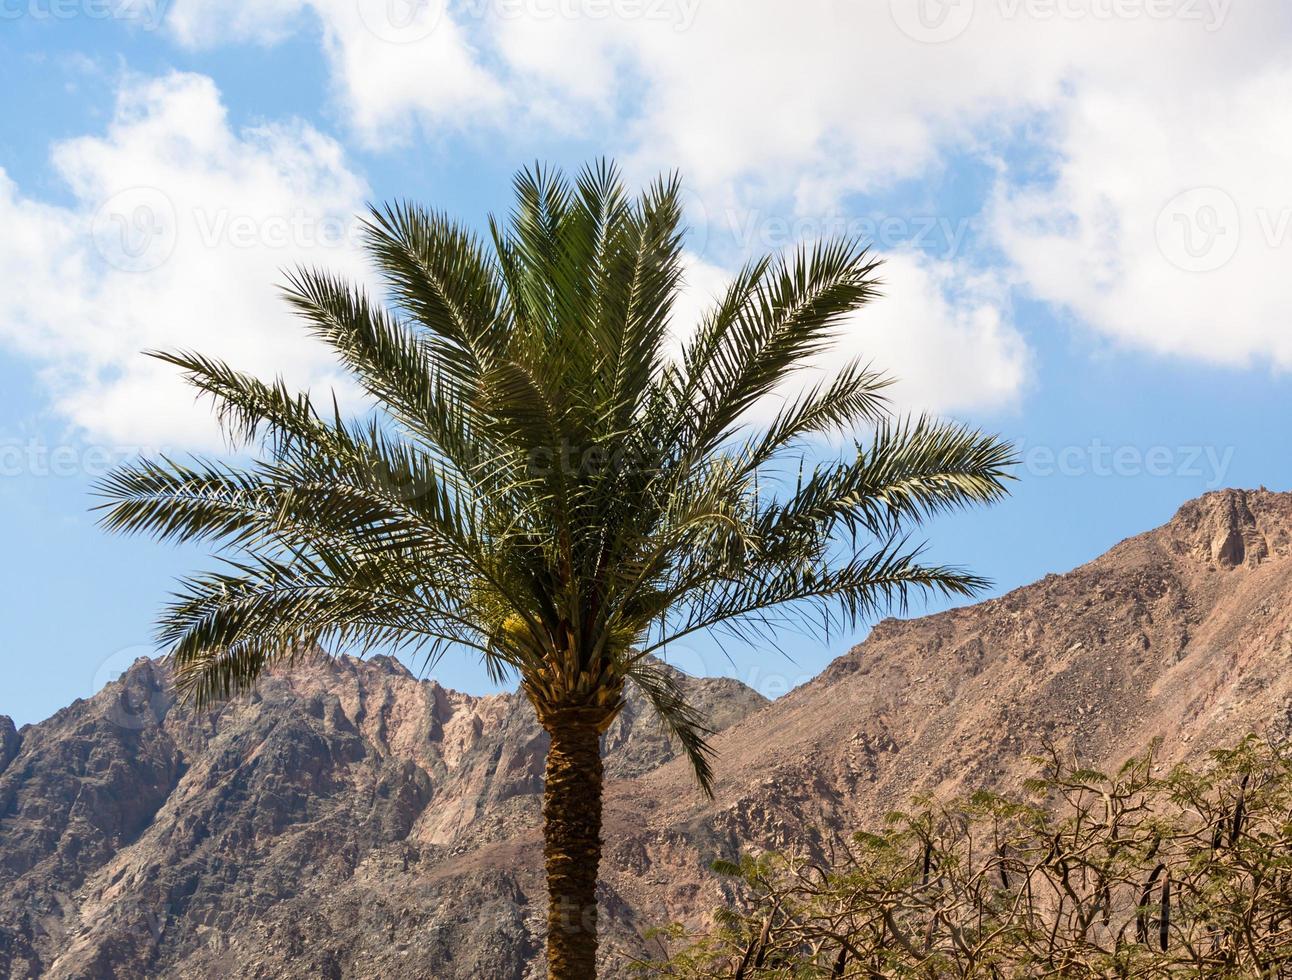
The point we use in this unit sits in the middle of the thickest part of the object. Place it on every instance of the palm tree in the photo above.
(547, 480)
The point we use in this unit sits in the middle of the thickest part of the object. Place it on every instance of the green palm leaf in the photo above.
(540, 484)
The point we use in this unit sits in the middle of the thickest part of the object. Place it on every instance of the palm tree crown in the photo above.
(548, 478)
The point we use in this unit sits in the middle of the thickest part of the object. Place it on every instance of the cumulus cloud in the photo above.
(1122, 105)
(1168, 224)
(944, 334)
(392, 61)
(1139, 155)
(179, 226)
(802, 97)
(175, 236)
(813, 97)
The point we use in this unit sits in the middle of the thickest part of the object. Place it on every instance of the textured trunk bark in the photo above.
(572, 850)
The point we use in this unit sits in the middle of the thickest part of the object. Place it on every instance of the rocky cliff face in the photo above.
(8, 741)
(353, 821)
(137, 839)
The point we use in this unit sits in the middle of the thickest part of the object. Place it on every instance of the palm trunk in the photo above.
(572, 850)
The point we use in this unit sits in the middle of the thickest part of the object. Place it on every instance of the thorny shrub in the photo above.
(1134, 875)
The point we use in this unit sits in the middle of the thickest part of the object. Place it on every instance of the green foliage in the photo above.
(1139, 875)
(542, 480)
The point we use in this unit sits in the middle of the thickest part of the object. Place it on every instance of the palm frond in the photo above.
(224, 628)
(538, 481)
(683, 722)
(777, 593)
(910, 471)
(397, 367)
(441, 275)
(788, 316)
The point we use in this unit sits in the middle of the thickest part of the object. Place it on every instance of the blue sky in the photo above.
(1085, 207)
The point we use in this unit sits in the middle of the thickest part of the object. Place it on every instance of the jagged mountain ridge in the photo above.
(123, 808)
(355, 822)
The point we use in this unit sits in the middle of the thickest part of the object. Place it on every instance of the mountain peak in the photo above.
(353, 820)
(1233, 527)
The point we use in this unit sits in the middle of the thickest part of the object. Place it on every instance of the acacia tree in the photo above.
(547, 480)
(1135, 875)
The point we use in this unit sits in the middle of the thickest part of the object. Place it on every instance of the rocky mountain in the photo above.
(351, 820)
(127, 823)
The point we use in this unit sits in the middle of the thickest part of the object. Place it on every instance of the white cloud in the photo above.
(175, 239)
(392, 61)
(1169, 225)
(178, 229)
(802, 104)
(1147, 120)
(808, 97)
(801, 96)
(946, 335)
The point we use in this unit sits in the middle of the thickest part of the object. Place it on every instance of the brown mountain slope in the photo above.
(1182, 633)
(138, 840)
(353, 821)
